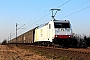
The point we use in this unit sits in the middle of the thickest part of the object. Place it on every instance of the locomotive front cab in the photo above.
(63, 33)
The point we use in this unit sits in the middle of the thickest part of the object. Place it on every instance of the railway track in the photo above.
(57, 53)
(82, 50)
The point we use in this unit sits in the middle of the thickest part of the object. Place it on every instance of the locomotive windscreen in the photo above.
(61, 25)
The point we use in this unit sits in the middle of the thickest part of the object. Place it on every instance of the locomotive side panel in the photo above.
(45, 33)
(36, 38)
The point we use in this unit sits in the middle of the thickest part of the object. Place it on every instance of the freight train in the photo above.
(55, 32)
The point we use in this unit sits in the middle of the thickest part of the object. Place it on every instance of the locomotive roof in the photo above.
(62, 21)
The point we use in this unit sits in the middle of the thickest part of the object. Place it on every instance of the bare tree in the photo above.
(4, 42)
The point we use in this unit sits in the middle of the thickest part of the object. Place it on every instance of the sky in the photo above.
(37, 12)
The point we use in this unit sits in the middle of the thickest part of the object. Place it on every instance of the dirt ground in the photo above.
(15, 53)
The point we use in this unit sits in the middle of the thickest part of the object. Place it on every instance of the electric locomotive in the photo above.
(54, 32)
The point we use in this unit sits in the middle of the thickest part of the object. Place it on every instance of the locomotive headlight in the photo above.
(56, 35)
(69, 36)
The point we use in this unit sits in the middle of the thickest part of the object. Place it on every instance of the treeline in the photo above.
(82, 40)
(87, 40)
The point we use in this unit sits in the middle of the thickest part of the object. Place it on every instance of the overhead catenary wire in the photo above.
(77, 6)
(21, 27)
(42, 18)
(76, 12)
(63, 4)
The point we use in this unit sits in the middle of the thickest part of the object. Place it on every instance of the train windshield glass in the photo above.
(61, 25)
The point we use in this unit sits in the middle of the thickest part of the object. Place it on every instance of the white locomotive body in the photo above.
(55, 31)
